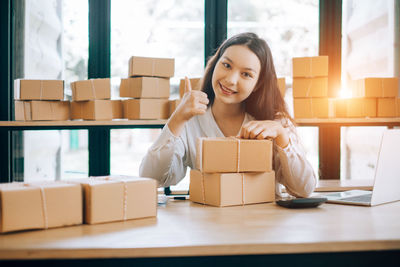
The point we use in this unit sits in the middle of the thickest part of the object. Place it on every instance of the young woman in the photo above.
(239, 97)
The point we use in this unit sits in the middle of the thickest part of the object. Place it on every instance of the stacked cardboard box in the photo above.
(43, 205)
(232, 171)
(310, 88)
(381, 93)
(37, 100)
(148, 88)
(91, 100)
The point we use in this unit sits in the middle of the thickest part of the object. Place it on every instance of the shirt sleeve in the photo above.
(292, 169)
(165, 159)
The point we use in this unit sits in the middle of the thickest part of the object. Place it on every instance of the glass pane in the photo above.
(368, 50)
(55, 47)
(359, 151)
(158, 28)
(290, 27)
(309, 138)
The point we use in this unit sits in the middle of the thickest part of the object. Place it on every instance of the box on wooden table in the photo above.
(313, 107)
(310, 87)
(230, 189)
(92, 110)
(118, 198)
(310, 66)
(173, 104)
(92, 89)
(397, 107)
(145, 87)
(282, 86)
(42, 110)
(233, 155)
(375, 87)
(135, 109)
(387, 107)
(155, 67)
(25, 89)
(194, 82)
(39, 205)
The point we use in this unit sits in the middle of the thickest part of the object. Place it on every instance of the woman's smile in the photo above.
(226, 91)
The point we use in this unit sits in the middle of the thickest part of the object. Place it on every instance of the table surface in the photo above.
(183, 228)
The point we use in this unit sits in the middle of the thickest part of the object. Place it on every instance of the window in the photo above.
(368, 49)
(159, 28)
(55, 47)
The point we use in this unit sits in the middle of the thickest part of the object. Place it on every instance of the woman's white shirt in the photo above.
(170, 155)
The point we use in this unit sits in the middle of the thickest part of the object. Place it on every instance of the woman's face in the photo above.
(235, 74)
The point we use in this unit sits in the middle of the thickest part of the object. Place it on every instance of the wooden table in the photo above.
(185, 231)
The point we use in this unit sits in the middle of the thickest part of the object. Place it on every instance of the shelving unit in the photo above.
(329, 136)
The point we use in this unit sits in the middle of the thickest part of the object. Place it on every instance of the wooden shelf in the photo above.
(27, 125)
(349, 122)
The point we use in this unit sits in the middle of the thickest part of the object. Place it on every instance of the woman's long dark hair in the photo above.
(266, 101)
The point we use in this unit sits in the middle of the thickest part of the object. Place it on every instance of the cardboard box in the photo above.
(359, 107)
(282, 86)
(118, 198)
(310, 87)
(42, 110)
(387, 107)
(397, 107)
(92, 89)
(194, 82)
(145, 87)
(39, 205)
(233, 155)
(92, 110)
(155, 67)
(38, 89)
(313, 108)
(135, 109)
(375, 87)
(173, 104)
(230, 189)
(117, 109)
(310, 66)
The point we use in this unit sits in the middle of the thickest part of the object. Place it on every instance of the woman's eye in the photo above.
(247, 75)
(226, 65)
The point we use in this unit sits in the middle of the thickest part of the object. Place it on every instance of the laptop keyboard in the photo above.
(362, 198)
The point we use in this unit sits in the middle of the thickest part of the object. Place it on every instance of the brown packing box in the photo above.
(91, 89)
(118, 198)
(117, 109)
(310, 87)
(387, 107)
(42, 110)
(397, 107)
(135, 109)
(282, 86)
(38, 89)
(310, 66)
(34, 205)
(230, 189)
(221, 155)
(145, 87)
(313, 107)
(173, 104)
(355, 107)
(375, 87)
(155, 67)
(92, 110)
(194, 82)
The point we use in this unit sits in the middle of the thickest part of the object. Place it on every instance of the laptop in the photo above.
(387, 177)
